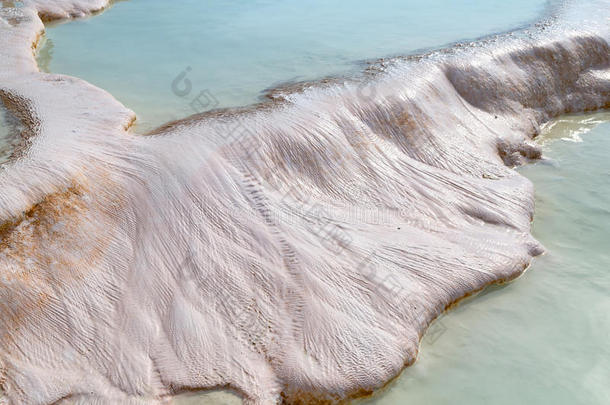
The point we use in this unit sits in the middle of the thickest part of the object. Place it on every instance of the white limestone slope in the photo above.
(293, 252)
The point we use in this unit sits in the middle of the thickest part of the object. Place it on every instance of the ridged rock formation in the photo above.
(293, 251)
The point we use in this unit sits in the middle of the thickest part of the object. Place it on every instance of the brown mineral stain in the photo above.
(29, 244)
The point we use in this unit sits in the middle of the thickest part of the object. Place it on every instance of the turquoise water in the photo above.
(543, 339)
(236, 49)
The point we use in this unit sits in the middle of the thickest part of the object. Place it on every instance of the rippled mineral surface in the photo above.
(294, 251)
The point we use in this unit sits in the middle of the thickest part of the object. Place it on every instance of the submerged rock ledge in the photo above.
(294, 253)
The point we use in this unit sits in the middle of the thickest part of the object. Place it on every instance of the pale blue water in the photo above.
(545, 338)
(239, 48)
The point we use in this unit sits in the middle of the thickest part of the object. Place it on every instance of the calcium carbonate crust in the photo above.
(294, 253)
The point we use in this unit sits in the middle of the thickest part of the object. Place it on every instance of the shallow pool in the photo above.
(9, 134)
(230, 52)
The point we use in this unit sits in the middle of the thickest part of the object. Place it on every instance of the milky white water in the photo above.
(232, 51)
